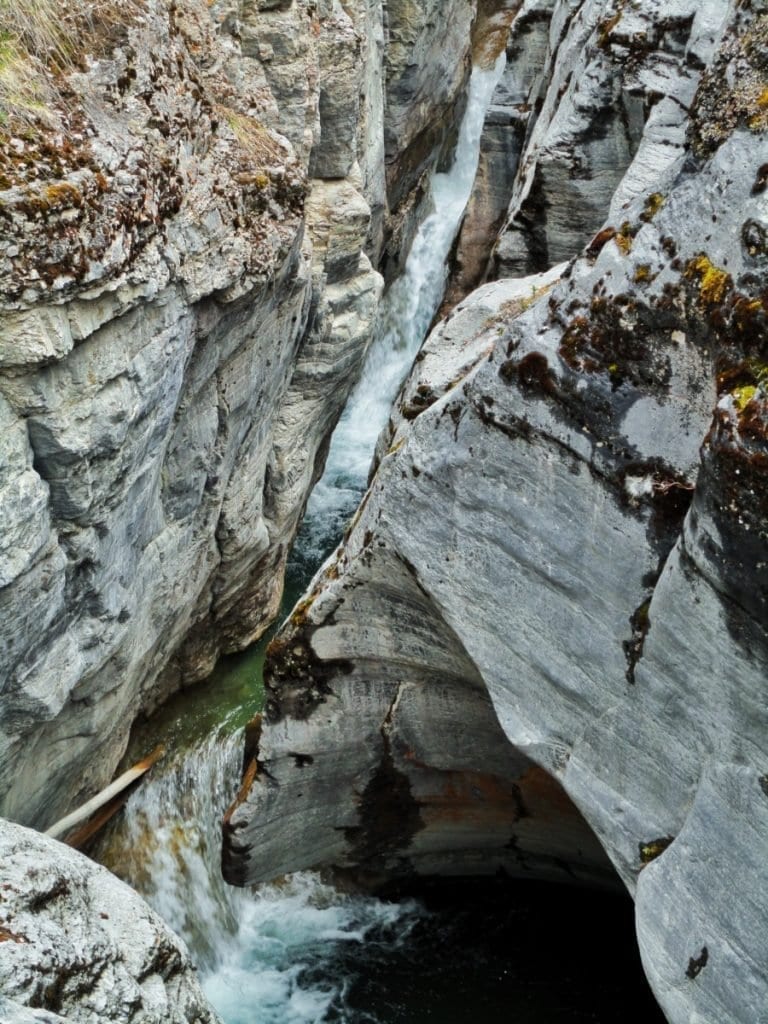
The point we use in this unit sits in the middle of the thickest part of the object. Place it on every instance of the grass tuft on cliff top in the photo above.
(29, 38)
(42, 38)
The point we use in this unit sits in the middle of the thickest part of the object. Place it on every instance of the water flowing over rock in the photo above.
(554, 593)
(188, 265)
(78, 945)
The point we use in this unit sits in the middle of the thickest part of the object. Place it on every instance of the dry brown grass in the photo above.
(42, 38)
(256, 141)
(34, 26)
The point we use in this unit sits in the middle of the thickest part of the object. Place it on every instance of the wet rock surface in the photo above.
(565, 544)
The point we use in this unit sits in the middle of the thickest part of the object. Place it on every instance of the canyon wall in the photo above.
(191, 217)
(548, 622)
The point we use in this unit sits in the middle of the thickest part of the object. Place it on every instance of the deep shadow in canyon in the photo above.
(499, 951)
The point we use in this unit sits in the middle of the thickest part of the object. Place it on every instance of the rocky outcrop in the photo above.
(601, 87)
(563, 555)
(501, 146)
(188, 251)
(78, 945)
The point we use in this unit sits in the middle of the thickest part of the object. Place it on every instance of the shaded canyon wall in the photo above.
(559, 571)
(190, 236)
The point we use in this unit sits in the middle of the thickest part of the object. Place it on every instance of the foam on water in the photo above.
(282, 965)
(270, 955)
(404, 319)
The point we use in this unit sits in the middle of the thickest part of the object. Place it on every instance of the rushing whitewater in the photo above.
(268, 956)
(277, 955)
(404, 319)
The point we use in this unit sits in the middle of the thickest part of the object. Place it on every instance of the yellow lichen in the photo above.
(63, 194)
(714, 283)
(758, 119)
(623, 238)
(653, 204)
(743, 396)
(606, 27)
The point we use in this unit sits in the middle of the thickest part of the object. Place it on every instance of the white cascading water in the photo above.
(404, 319)
(265, 955)
(271, 956)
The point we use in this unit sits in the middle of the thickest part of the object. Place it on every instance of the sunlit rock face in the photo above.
(76, 944)
(563, 557)
(188, 264)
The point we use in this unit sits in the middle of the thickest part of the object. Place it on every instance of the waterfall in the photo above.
(273, 955)
(406, 313)
(296, 951)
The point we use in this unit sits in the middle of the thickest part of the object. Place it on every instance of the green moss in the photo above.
(654, 848)
(743, 396)
(743, 380)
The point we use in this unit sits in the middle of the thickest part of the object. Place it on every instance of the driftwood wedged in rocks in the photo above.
(108, 801)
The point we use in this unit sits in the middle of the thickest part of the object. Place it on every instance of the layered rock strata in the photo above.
(78, 945)
(188, 251)
(427, 65)
(569, 533)
(590, 89)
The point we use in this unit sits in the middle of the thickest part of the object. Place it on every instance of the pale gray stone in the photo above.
(77, 945)
(165, 407)
(573, 523)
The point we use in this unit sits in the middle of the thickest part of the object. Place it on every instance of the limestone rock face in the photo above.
(568, 519)
(76, 944)
(427, 64)
(187, 261)
(605, 89)
(428, 52)
(501, 146)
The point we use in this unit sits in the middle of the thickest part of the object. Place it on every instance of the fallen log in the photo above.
(106, 796)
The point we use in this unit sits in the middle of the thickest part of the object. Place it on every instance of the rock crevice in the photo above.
(575, 482)
(189, 254)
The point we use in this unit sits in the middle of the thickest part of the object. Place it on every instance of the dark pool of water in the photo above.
(503, 953)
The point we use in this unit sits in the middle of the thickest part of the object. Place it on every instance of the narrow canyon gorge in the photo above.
(471, 297)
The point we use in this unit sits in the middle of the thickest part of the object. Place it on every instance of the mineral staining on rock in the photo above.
(559, 571)
(542, 647)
